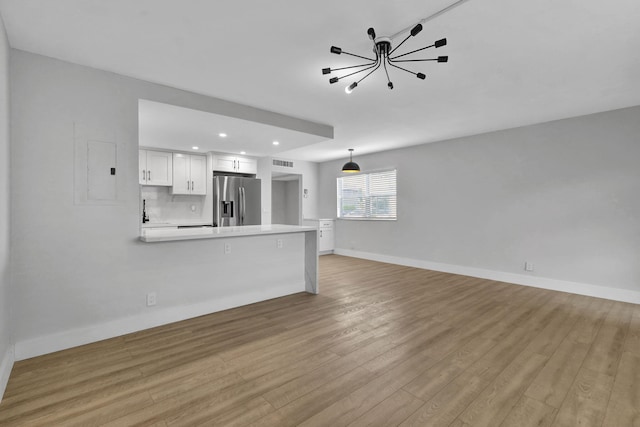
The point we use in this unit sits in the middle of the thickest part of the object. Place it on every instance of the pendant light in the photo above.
(351, 166)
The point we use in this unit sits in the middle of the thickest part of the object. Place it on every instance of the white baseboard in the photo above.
(154, 316)
(5, 369)
(616, 294)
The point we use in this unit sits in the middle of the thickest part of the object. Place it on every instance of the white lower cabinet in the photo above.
(326, 236)
(189, 174)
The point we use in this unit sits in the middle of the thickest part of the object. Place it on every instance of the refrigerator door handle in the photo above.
(244, 206)
(239, 220)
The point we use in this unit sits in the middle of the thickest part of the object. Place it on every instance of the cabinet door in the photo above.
(246, 165)
(326, 242)
(181, 174)
(159, 168)
(142, 167)
(199, 175)
(224, 163)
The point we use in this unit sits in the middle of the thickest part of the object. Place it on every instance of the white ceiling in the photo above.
(511, 63)
(178, 128)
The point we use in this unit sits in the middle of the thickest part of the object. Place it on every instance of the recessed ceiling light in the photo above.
(243, 152)
(222, 135)
(276, 143)
(195, 148)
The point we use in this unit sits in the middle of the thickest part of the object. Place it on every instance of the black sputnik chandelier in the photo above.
(384, 55)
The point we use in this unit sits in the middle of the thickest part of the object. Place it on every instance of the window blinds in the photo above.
(367, 195)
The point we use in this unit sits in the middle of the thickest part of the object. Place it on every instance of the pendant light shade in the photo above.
(351, 166)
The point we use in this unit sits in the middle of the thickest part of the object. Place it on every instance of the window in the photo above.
(367, 196)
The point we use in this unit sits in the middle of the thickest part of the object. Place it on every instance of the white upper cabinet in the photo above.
(155, 167)
(237, 164)
(189, 174)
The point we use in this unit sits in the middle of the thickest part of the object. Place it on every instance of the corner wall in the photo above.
(562, 195)
(6, 338)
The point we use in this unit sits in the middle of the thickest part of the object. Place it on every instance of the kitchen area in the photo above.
(187, 187)
(201, 191)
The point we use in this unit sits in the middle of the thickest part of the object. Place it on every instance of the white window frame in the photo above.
(368, 214)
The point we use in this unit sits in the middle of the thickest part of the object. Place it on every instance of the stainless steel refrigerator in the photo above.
(236, 201)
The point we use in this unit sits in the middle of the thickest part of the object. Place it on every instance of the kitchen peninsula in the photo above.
(284, 257)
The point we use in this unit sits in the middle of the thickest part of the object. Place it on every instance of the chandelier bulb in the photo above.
(351, 87)
(390, 85)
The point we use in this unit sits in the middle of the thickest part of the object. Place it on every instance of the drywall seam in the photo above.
(615, 294)
(155, 316)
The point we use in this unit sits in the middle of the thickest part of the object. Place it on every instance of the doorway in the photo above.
(286, 201)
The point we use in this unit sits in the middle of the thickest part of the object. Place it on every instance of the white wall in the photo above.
(278, 202)
(309, 181)
(285, 202)
(309, 172)
(79, 270)
(563, 195)
(6, 340)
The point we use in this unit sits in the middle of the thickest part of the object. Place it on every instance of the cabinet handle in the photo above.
(148, 175)
(192, 186)
(188, 185)
(144, 174)
(320, 233)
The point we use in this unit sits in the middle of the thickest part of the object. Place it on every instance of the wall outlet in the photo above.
(528, 266)
(227, 248)
(151, 299)
(279, 243)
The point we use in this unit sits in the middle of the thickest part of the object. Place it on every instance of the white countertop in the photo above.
(165, 224)
(168, 234)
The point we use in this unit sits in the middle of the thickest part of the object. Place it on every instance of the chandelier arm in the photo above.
(358, 56)
(413, 51)
(376, 64)
(403, 69)
(413, 60)
(430, 17)
(385, 69)
(369, 73)
(353, 66)
(394, 49)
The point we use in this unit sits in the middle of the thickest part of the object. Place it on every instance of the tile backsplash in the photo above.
(162, 206)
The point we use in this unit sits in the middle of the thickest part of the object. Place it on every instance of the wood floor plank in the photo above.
(624, 404)
(529, 412)
(354, 405)
(554, 381)
(587, 400)
(632, 342)
(391, 411)
(324, 396)
(381, 345)
(606, 350)
(491, 407)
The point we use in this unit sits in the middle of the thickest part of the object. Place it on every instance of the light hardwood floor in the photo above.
(382, 345)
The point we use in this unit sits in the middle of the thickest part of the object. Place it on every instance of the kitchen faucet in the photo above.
(145, 217)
